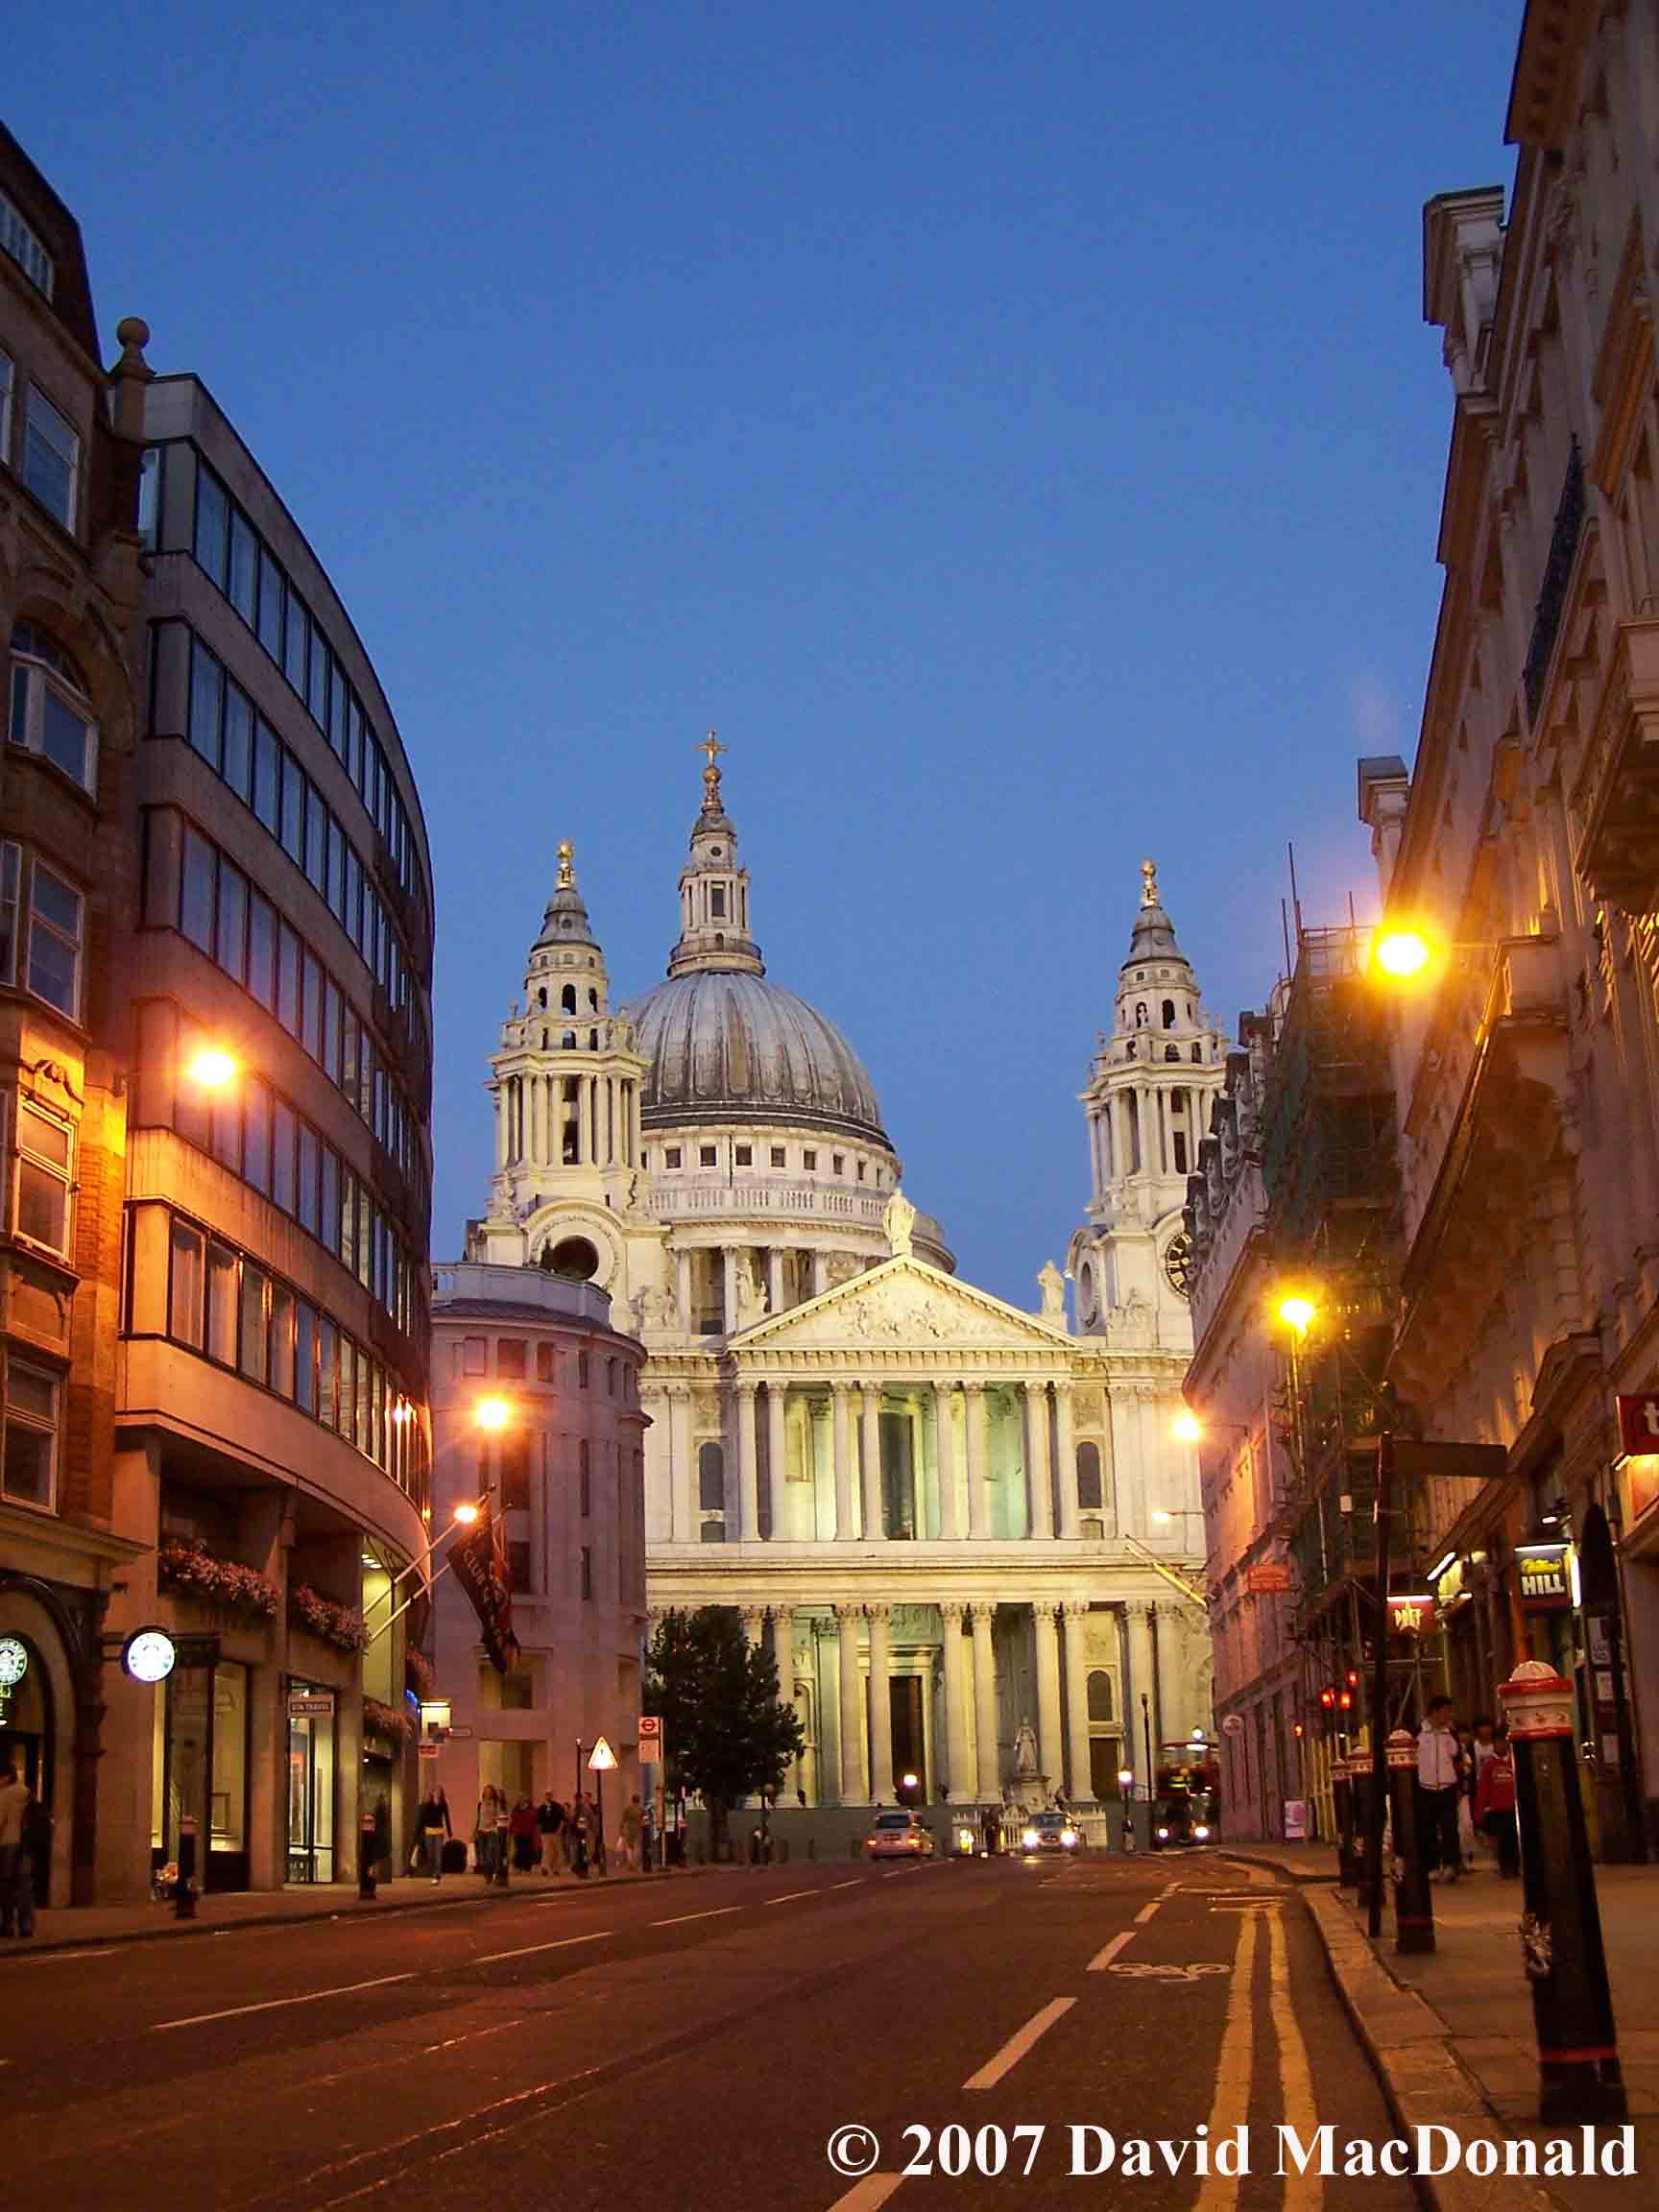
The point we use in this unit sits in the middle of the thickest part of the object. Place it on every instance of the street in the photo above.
(696, 2038)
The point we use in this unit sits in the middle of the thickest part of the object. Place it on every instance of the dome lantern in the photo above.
(713, 889)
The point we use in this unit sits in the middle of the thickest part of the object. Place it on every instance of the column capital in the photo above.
(880, 1610)
(1138, 1608)
(752, 1613)
(1075, 1608)
(851, 1611)
(982, 1609)
(975, 1385)
(1034, 1385)
(952, 1609)
(674, 1389)
(746, 1385)
(1046, 1608)
(780, 1611)
(841, 1387)
(1062, 1386)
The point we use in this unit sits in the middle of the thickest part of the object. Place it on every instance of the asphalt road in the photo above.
(699, 2042)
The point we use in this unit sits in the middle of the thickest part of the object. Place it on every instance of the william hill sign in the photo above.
(1545, 1585)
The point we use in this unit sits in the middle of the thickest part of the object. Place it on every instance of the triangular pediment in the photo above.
(904, 1304)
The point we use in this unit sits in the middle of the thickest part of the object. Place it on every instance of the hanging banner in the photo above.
(478, 1561)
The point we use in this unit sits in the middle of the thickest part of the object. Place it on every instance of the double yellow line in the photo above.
(1236, 2066)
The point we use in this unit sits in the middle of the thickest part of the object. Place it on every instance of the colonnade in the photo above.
(534, 1109)
(953, 1513)
(976, 1758)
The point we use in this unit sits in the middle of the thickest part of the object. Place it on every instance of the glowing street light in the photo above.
(1188, 1428)
(1297, 1311)
(492, 1413)
(466, 1514)
(213, 1067)
(1402, 953)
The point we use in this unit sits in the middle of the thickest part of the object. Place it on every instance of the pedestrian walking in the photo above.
(521, 1827)
(1495, 1803)
(485, 1849)
(648, 1835)
(1438, 1775)
(14, 1804)
(633, 1826)
(432, 1830)
(1466, 1799)
(549, 1821)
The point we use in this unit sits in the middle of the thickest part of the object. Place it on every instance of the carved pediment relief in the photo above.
(903, 1301)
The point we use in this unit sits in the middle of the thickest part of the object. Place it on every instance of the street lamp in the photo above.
(1298, 1311)
(492, 1414)
(1126, 1787)
(213, 1067)
(1187, 1428)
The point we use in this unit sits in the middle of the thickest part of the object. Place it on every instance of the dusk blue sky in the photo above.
(1014, 427)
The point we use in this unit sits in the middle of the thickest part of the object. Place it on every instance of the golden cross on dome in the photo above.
(567, 854)
(1148, 882)
(711, 748)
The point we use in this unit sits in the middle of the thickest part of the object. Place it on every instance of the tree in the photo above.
(728, 1732)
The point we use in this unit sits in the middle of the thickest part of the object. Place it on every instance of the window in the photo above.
(5, 407)
(54, 940)
(838, 1164)
(778, 1156)
(43, 1178)
(517, 1571)
(1169, 1013)
(706, 1155)
(586, 1571)
(1171, 1051)
(31, 1450)
(184, 1297)
(51, 714)
(545, 1355)
(581, 1370)
(11, 869)
(244, 566)
(745, 1155)
(610, 1377)
(212, 525)
(516, 1472)
(1197, 1055)
(717, 902)
(510, 1357)
(50, 456)
(808, 1159)
(671, 1155)
(711, 1479)
(585, 1479)
(473, 1354)
(20, 242)
(861, 1168)
(1089, 1494)
(1100, 1701)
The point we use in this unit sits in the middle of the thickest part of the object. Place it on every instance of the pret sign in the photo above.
(650, 1739)
(1410, 1613)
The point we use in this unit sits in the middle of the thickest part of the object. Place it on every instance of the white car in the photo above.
(899, 1835)
(1049, 1832)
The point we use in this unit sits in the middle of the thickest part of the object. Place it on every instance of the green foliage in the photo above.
(728, 1732)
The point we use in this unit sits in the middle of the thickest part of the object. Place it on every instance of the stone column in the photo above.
(1066, 1453)
(958, 1695)
(1051, 1741)
(748, 1466)
(882, 1704)
(853, 1789)
(1141, 1682)
(729, 1289)
(753, 1619)
(685, 1289)
(980, 1615)
(870, 1464)
(775, 1279)
(820, 1273)
(1167, 1720)
(503, 1148)
(1081, 1788)
(584, 1120)
(979, 1514)
(839, 1393)
(944, 1451)
(681, 1475)
(777, 1453)
(1038, 1482)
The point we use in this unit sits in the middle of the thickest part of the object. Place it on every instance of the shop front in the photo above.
(27, 1736)
(201, 1765)
(312, 1781)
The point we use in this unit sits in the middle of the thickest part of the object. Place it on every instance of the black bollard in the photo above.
(1414, 1900)
(1342, 1804)
(1566, 1963)
(366, 1856)
(185, 1889)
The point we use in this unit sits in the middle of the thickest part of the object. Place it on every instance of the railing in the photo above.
(671, 1196)
(1558, 569)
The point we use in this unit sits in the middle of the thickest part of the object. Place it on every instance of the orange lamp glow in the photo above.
(494, 1414)
(1188, 1428)
(1401, 954)
(213, 1067)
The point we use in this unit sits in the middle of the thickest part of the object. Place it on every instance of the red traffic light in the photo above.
(1326, 1698)
(1346, 1700)
(1353, 1677)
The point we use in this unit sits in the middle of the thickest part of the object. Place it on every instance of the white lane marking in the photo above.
(1234, 2063)
(275, 2004)
(857, 1883)
(559, 1943)
(1146, 1912)
(864, 2196)
(1303, 2191)
(679, 1918)
(51, 1958)
(789, 1896)
(1018, 2043)
(1103, 1958)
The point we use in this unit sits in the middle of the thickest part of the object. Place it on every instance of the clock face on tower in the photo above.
(1178, 1263)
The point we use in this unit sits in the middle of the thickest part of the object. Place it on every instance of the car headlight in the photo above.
(1029, 1839)
(1201, 1834)
(1069, 1836)
(1163, 1835)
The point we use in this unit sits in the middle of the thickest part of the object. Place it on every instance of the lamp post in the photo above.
(1127, 1784)
(1151, 1770)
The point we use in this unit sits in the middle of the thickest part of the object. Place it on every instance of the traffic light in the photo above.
(1345, 1700)
(1328, 1697)
(1353, 1677)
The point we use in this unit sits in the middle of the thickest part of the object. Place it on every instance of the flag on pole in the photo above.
(478, 1561)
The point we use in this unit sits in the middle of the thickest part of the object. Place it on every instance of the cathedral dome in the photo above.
(727, 1045)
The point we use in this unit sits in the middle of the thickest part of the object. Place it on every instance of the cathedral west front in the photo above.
(969, 1534)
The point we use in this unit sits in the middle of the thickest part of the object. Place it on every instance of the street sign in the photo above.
(427, 1750)
(1295, 1820)
(459, 1731)
(650, 1739)
(601, 1759)
(311, 1704)
(1545, 1578)
(1269, 1578)
(1233, 1724)
(1411, 1612)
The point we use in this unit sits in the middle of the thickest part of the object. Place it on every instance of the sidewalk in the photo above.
(75, 1929)
(1451, 2032)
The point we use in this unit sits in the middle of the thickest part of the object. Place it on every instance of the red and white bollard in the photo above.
(1578, 2071)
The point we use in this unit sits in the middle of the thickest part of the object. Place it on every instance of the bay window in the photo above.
(51, 714)
(50, 456)
(29, 1464)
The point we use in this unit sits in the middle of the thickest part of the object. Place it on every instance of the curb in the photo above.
(1304, 1878)
(349, 1909)
(1423, 2081)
